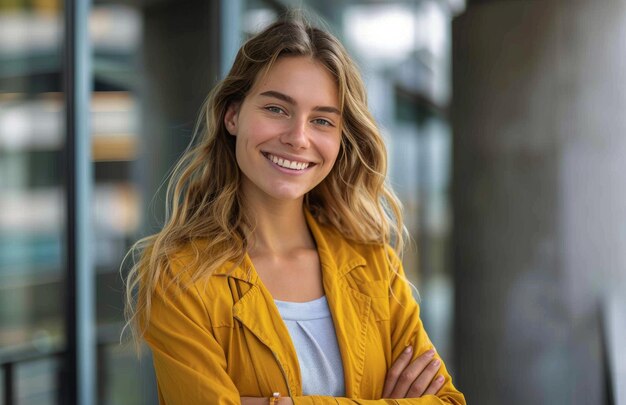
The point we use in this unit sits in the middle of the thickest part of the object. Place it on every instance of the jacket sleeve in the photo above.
(406, 329)
(189, 363)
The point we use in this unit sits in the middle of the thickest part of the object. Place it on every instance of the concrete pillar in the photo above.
(539, 195)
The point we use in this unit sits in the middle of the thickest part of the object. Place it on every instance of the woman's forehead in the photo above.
(298, 77)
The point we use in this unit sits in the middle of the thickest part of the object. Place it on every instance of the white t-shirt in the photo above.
(313, 334)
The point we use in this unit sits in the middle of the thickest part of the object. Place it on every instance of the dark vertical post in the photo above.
(9, 387)
(79, 368)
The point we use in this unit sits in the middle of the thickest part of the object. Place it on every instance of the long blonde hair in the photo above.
(204, 196)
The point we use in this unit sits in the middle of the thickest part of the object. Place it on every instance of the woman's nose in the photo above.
(297, 135)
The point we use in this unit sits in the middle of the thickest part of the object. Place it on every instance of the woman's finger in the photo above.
(396, 370)
(423, 381)
(435, 386)
(408, 376)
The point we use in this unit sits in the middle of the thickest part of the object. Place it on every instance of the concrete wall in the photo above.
(539, 116)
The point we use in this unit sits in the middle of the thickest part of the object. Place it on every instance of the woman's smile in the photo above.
(293, 165)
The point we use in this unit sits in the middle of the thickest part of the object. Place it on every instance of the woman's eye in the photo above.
(323, 122)
(275, 110)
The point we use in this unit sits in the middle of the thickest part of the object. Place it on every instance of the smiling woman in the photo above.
(275, 278)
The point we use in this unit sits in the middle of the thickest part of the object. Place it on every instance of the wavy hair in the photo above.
(204, 200)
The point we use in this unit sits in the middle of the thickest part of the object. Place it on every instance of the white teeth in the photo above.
(287, 163)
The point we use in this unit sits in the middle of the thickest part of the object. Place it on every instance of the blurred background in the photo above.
(506, 132)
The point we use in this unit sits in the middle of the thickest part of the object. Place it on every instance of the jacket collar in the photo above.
(242, 271)
(335, 253)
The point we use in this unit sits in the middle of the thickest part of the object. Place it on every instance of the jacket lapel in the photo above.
(256, 310)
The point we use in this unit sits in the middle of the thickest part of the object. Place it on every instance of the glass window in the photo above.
(32, 201)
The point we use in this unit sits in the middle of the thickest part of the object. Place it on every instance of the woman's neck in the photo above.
(279, 229)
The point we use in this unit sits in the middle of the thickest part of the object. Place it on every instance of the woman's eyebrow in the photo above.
(292, 101)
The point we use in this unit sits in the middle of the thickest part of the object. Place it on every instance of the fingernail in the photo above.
(430, 353)
(436, 363)
(439, 379)
(408, 350)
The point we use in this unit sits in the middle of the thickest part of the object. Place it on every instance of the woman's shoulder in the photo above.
(185, 289)
(185, 255)
(193, 263)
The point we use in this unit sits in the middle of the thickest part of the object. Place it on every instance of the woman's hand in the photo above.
(412, 380)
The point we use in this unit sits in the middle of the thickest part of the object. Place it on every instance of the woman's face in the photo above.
(288, 130)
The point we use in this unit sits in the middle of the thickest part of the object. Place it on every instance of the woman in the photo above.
(273, 278)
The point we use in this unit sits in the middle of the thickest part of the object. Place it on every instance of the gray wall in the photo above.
(539, 116)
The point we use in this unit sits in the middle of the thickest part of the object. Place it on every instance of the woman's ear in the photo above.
(230, 118)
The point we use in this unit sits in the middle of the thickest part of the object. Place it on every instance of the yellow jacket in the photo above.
(224, 338)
